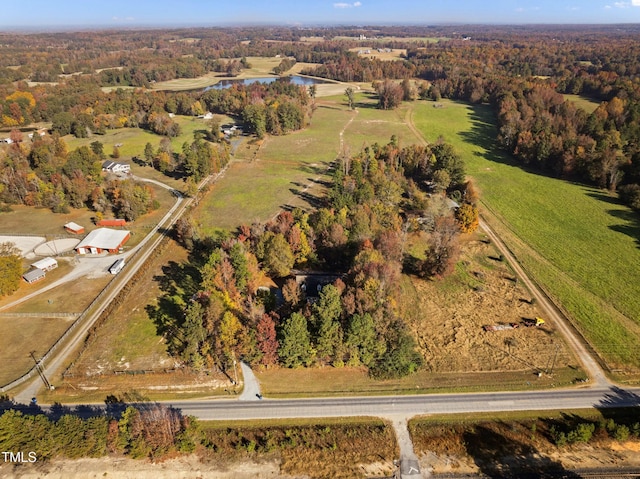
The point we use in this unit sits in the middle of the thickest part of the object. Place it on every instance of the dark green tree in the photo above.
(295, 342)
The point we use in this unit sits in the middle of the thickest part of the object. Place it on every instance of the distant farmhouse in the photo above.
(115, 167)
(103, 239)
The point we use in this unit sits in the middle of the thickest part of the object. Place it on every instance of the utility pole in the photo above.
(40, 371)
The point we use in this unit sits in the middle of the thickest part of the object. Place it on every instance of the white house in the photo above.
(115, 167)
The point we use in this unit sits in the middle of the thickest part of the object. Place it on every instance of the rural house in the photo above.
(114, 167)
(101, 240)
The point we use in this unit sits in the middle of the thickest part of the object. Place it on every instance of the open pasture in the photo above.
(587, 104)
(580, 243)
(392, 54)
(20, 335)
(256, 189)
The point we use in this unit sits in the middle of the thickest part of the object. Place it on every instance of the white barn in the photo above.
(45, 264)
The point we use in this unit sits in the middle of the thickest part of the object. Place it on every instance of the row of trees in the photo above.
(151, 431)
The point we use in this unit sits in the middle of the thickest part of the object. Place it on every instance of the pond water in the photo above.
(295, 79)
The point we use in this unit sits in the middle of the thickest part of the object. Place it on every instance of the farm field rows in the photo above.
(579, 242)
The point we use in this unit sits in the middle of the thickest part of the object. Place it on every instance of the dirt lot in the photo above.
(182, 468)
(448, 316)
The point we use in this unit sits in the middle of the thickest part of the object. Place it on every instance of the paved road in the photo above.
(409, 406)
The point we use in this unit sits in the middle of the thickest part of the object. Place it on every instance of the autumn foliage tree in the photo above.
(444, 248)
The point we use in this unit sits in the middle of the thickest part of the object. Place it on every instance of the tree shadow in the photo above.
(632, 226)
(498, 456)
(312, 200)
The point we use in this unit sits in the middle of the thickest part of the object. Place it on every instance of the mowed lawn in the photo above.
(579, 242)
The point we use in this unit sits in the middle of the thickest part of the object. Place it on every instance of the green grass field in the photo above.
(256, 189)
(587, 104)
(579, 242)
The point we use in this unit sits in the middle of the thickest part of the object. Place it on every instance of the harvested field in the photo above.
(448, 315)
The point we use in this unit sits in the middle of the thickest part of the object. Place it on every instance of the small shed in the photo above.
(74, 228)
(34, 275)
(113, 222)
(45, 264)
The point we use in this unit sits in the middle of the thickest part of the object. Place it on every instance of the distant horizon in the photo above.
(74, 15)
(43, 29)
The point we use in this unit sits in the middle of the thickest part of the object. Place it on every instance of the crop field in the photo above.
(394, 54)
(579, 242)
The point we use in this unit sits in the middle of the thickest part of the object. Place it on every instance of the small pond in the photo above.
(295, 79)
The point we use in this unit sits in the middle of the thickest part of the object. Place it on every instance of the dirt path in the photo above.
(598, 378)
(408, 119)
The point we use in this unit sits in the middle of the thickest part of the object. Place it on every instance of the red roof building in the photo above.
(115, 222)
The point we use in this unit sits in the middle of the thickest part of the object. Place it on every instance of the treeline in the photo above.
(275, 108)
(145, 430)
(214, 311)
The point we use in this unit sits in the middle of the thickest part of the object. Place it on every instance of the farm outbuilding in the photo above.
(34, 275)
(45, 264)
(114, 222)
(101, 240)
(74, 228)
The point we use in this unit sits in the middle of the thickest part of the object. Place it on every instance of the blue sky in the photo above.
(118, 13)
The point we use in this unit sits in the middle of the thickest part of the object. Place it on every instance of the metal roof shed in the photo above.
(34, 275)
(45, 264)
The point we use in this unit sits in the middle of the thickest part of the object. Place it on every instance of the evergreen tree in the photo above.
(295, 344)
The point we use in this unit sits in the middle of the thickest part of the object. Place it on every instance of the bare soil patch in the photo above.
(25, 244)
(56, 247)
(447, 316)
(182, 468)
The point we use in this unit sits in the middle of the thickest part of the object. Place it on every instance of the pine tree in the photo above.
(295, 345)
